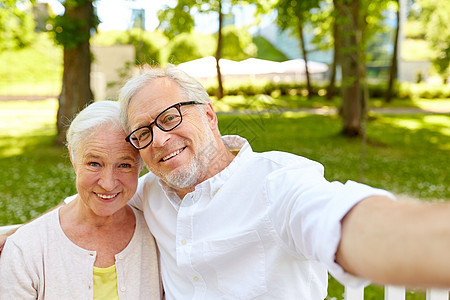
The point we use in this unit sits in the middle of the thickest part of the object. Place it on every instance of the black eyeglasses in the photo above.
(168, 120)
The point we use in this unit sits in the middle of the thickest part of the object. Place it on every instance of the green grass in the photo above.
(35, 70)
(407, 154)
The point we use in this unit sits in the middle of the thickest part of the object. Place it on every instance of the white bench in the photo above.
(390, 292)
(395, 293)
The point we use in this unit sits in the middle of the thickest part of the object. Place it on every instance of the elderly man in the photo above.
(234, 224)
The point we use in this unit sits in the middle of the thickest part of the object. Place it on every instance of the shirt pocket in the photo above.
(239, 263)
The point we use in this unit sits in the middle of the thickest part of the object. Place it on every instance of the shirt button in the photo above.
(195, 278)
(123, 289)
(183, 242)
(120, 256)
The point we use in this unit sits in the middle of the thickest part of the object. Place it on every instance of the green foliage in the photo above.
(71, 29)
(434, 17)
(255, 87)
(176, 20)
(148, 45)
(423, 90)
(413, 29)
(16, 25)
(189, 46)
(417, 49)
(265, 50)
(68, 31)
(237, 43)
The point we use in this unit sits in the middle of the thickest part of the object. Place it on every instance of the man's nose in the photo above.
(160, 137)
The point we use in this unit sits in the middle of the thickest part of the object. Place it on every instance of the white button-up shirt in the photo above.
(266, 227)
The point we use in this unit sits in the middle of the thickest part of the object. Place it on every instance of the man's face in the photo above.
(180, 157)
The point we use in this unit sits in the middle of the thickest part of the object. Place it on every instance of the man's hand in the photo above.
(2, 241)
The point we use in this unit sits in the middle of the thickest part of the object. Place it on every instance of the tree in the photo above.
(357, 21)
(73, 30)
(331, 90)
(348, 17)
(293, 15)
(393, 69)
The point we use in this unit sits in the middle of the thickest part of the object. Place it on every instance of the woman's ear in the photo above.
(71, 158)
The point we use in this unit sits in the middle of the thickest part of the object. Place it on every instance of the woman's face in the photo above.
(107, 170)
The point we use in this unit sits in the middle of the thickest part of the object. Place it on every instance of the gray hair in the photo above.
(89, 119)
(190, 88)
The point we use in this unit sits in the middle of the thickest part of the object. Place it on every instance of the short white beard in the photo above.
(197, 168)
(181, 179)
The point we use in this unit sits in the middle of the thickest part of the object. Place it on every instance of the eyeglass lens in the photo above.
(166, 121)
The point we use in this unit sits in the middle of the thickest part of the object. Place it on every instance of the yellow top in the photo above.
(105, 283)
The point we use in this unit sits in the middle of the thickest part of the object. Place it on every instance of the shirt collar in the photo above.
(235, 144)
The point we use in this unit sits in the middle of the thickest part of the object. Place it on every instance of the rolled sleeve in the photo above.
(349, 195)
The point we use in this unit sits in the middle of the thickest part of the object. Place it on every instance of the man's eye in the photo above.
(94, 164)
(169, 119)
(143, 134)
(124, 165)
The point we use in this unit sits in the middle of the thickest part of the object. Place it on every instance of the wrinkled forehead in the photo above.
(151, 100)
(107, 141)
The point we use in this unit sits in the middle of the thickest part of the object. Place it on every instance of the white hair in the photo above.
(91, 118)
(190, 88)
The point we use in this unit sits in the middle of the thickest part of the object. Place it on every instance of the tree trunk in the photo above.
(331, 90)
(351, 110)
(219, 54)
(393, 70)
(76, 92)
(304, 53)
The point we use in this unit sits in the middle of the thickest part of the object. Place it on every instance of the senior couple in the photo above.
(229, 223)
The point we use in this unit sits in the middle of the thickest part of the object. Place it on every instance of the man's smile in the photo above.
(175, 153)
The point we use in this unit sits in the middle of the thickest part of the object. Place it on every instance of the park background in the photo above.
(379, 114)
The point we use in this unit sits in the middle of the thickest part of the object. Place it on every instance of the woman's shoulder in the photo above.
(37, 229)
(30, 239)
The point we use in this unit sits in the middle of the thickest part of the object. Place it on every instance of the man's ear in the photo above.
(211, 116)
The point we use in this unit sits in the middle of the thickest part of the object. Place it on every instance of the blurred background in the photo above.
(360, 86)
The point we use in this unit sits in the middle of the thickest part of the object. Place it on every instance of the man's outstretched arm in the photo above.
(400, 243)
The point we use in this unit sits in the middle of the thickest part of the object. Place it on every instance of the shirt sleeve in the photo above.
(17, 281)
(307, 211)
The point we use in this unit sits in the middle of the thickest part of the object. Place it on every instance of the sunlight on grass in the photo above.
(436, 105)
(21, 120)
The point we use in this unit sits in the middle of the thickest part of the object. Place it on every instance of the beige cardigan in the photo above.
(40, 262)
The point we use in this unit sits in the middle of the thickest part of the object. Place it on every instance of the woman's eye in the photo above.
(94, 164)
(125, 165)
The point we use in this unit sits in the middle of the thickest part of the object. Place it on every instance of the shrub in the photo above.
(147, 44)
(189, 46)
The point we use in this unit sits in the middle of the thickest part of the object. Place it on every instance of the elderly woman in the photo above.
(97, 246)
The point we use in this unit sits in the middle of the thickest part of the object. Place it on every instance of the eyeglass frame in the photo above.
(150, 126)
